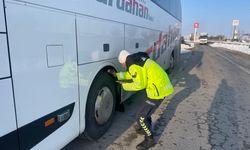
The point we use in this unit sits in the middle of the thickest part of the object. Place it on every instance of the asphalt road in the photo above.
(210, 108)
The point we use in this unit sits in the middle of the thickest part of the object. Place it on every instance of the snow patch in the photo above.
(185, 46)
(183, 51)
(244, 48)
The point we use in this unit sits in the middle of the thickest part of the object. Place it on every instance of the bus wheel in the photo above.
(100, 106)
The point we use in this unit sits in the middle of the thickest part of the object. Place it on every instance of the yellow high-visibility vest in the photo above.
(150, 77)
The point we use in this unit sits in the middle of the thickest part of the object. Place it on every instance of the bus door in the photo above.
(8, 127)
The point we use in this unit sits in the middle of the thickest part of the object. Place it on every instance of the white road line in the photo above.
(236, 64)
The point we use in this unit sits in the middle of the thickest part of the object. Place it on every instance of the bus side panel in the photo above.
(8, 132)
(4, 58)
(141, 37)
(115, 10)
(8, 128)
(99, 43)
(43, 55)
(145, 39)
(98, 39)
(2, 21)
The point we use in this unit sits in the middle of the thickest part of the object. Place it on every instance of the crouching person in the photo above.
(144, 74)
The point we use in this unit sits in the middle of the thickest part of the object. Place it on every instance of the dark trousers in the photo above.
(143, 117)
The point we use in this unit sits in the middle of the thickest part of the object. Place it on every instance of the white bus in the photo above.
(54, 58)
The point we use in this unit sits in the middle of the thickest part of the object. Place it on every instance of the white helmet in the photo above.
(123, 56)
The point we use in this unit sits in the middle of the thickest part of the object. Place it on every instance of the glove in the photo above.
(112, 72)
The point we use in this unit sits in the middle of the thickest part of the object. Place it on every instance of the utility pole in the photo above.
(196, 26)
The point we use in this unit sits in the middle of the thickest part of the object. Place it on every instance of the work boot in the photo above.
(146, 144)
(139, 129)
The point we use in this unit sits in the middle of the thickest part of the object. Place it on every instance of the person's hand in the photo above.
(112, 72)
(120, 82)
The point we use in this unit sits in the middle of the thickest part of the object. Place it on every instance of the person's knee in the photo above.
(141, 114)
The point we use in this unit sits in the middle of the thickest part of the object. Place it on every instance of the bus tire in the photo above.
(100, 107)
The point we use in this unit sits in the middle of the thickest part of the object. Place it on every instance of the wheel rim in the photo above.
(104, 105)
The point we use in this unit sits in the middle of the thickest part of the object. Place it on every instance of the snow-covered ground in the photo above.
(244, 48)
(183, 51)
(190, 46)
(186, 48)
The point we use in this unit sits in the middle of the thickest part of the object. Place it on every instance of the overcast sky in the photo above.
(215, 16)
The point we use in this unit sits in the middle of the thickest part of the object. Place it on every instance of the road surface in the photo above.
(210, 108)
